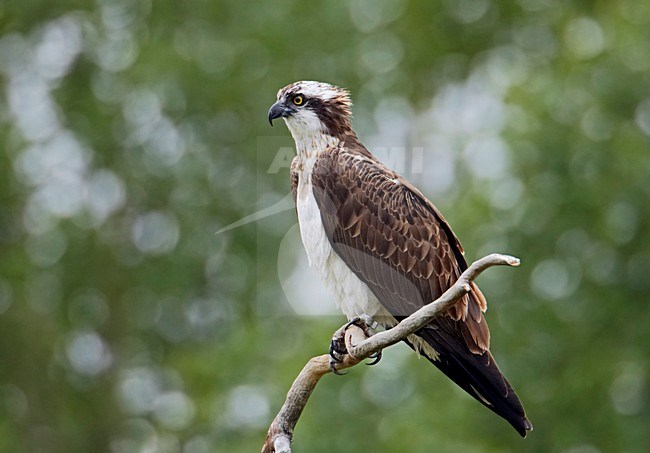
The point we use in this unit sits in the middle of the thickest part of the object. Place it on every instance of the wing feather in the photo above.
(393, 237)
(399, 244)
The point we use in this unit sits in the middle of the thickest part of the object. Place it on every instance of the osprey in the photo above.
(381, 247)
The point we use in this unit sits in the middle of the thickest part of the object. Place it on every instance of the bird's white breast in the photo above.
(351, 294)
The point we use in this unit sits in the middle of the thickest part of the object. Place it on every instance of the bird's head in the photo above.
(311, 108)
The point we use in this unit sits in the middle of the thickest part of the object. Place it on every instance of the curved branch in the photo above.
(280, 433)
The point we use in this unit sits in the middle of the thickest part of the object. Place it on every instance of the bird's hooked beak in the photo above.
(279, 109)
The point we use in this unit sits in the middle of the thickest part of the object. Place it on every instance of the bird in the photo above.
(381, 247)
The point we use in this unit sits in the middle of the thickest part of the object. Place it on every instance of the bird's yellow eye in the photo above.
(298, 100)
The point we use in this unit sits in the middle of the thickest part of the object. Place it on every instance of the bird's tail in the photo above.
(478, 375)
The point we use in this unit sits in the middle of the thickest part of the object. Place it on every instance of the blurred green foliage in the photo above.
(133, 131)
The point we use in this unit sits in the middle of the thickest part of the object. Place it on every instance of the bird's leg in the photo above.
(337, 345)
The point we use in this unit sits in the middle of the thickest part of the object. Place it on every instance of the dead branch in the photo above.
(280, 433)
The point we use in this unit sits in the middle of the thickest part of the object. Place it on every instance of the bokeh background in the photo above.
(134, 132)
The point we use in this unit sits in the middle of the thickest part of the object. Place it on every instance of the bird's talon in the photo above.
(353, 322)
(335, 358)
(337, 347)
(334, 370)
(333, 349)
(376, 356)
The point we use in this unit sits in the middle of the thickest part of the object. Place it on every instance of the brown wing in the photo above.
(395, 241)
(399, 245)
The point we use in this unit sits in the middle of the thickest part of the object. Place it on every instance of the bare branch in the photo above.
(280, 434)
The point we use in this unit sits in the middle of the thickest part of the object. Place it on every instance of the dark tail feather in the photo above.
(479, 376)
